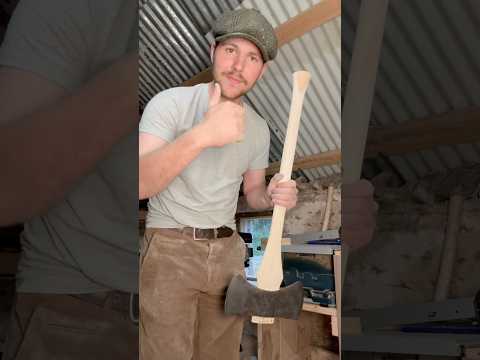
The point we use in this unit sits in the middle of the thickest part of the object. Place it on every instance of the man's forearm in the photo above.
(258, 198)
(43, 154)
(158, 168)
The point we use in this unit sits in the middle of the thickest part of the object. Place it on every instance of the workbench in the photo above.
(465, 346)
(310, 336)
(425, 325)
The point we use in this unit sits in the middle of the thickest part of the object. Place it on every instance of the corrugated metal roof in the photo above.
(318, 52)
(173, 48)
(430, 64)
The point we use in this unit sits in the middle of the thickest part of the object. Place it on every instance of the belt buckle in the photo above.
(215, 234)
(195, 234)
(131, 309)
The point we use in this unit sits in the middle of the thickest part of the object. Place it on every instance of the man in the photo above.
(197, 145)
(68, 86)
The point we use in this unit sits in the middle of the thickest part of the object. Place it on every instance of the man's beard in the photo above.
(238, 94)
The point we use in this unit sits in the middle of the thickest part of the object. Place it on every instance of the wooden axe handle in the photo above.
(270, 274)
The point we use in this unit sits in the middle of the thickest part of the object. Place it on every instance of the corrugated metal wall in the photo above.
(318, 52)
(172, 44)
(173, 48)
(430, 64)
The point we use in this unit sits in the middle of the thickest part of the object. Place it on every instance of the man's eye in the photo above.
(253, 59)
(229, 50)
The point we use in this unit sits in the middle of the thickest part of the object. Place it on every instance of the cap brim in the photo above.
(247, 37)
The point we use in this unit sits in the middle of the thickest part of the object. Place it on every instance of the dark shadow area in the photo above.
(410, 293)
(69, 160)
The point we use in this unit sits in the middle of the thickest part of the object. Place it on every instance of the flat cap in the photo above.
(249, 24)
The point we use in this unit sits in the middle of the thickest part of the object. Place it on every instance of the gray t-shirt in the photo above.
(205, 194)
(89, 241)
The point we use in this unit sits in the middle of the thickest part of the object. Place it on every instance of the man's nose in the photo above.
(238, 64)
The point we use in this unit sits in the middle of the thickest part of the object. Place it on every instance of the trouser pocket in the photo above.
(145, 244)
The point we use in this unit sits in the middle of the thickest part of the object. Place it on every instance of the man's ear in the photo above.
(212, 51)
(264, 68)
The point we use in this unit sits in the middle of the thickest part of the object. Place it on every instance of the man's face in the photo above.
(237, 65)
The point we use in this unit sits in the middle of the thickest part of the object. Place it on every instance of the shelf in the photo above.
(332, 312)
(311, 249)
(319, 309)
(410, 343)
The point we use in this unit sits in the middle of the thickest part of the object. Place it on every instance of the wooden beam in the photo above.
(204, 76)
(309, 162)
(248, 212)
(357, 106)
(307, 21)
(453, 128)
(289, 30)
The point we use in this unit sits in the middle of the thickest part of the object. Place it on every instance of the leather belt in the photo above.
(117, 300)
(213, 233)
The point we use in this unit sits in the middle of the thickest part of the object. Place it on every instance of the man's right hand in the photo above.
(160, 162)
(224, 122)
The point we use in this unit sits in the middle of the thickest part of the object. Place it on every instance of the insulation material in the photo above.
(400, 265)
(309, 213)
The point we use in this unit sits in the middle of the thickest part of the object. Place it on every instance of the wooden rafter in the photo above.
(289, 30)
(458, 127)
(307, 21)
(309, 162)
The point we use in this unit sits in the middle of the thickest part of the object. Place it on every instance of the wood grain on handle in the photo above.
(270, 274)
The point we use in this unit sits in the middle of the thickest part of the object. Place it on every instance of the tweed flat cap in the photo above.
(249, 24)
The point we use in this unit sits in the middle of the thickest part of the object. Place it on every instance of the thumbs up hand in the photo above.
(224, 122)
(216, 96)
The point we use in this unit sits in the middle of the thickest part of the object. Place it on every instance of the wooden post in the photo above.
(359, 95)
(328, 206)
(449, 251)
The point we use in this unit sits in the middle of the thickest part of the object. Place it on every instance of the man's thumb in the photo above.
(276, 178)
(273, 182)
(215, 96)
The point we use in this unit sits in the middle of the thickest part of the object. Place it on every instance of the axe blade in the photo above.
(244, 299)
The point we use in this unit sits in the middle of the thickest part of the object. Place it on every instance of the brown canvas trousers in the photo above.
(74, 327)
(182, 294)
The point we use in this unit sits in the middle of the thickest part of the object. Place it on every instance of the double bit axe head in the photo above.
(244, 299)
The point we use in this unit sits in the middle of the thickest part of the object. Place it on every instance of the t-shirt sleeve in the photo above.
(262, 147)
(160, 116)
(51, 38)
